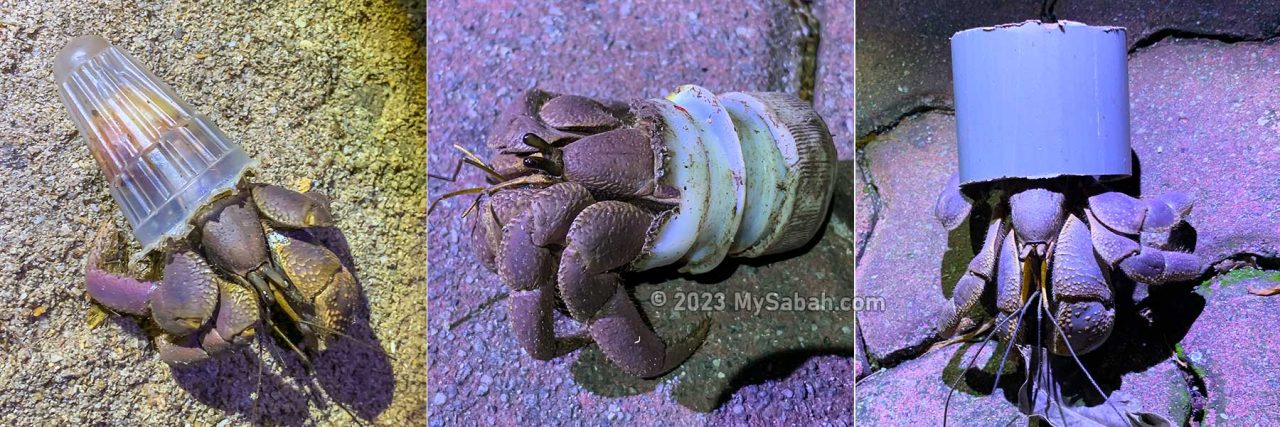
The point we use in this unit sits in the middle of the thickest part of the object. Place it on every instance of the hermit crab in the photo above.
(237, 255)
(583, 190)
(1042, 125)
(1062, 238)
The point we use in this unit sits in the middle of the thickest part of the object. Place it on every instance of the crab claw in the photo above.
(520, 118)
(291, 209)
(577, 113)
(1080, 287)
(982, 269)
(1037, 214)
(952, 206)
(233, 325)
(1129, 215)
(187, 296)
(1155, 266)
(318, 275)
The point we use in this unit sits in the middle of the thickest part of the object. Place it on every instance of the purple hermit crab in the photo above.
(237, 255)
(1042, 122)
(1061, 239)
(582, 190)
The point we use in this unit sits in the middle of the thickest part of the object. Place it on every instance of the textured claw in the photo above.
(1083, 293)
(577, 113)
(1037, 215)
(187, 296)
(1160, 217)
(288, 208)
(617, 164)
(1111, 246)
(1119, 212)
(318, 274)
(604, 237)
(1155, 266)
(1087, 324)
(237, 313)
(952, 206)
(1008, 277)
(232, 236)
(526, 258)
(1180, 203)
(521, 118)
(982, 268)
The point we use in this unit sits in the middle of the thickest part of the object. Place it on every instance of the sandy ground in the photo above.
(314, 91)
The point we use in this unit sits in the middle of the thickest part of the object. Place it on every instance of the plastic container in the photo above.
(162, 160)
(1038, 100)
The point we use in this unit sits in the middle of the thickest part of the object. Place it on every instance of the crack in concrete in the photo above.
(863, 168)
(807, 48)
(1197, 392)
(913, 112)
(1181, 34)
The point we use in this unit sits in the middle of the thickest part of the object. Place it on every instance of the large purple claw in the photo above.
(1119, 212)
(187, 296)
(1155, 266)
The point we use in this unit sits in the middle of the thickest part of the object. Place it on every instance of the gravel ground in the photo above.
(325, 92)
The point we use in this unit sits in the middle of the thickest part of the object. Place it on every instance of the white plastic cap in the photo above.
(162, 159)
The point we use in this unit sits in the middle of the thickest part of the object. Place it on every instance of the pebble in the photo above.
(440, 398)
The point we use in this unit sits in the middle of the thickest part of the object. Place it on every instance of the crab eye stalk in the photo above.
(543, 164)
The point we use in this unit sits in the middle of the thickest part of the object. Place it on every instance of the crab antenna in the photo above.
(947, 403)
(450, 194)
(306, 361)
(457, 166)
(1017, 329)
(344, 335)
(474, 160)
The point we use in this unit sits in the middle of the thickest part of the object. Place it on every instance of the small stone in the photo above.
(439, 399)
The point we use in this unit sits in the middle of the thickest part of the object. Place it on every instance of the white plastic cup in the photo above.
(162, 159)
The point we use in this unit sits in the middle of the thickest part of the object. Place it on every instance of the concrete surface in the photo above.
(753, 369)
(330, 92)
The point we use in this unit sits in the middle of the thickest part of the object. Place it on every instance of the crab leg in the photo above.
(952, 206)
(526, 261)
(604, 238)
(982, 269)
(1114, 216)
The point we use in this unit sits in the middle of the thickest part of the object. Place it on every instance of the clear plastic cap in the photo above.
(162, 159)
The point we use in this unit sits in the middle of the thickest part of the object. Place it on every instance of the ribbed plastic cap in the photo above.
(1040, 100)
(162, 159)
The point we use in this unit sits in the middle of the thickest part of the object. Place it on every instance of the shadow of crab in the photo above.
(268, 384)
(744, 346)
